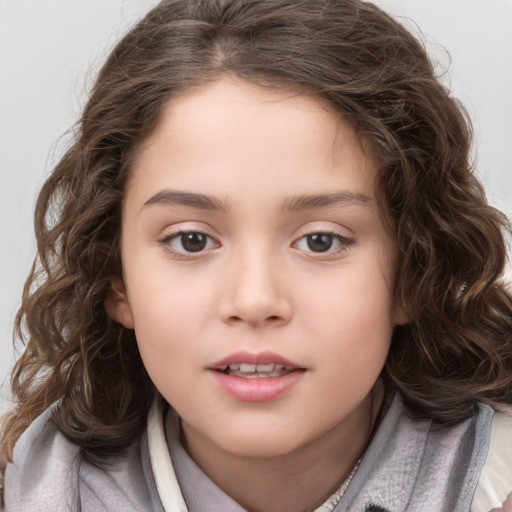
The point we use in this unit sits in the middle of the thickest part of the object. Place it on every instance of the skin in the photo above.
(258, 286)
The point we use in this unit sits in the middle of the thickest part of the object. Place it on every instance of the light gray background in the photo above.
(50, 50)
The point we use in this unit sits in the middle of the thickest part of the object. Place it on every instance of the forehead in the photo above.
(231, 133)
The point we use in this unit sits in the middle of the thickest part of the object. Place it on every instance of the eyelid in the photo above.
(171, 230)
(329, 228)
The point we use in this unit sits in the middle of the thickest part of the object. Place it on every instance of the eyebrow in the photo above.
(292, 204)
(307, 202)
(176, 198)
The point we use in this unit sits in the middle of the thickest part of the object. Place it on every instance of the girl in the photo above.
(267, 279)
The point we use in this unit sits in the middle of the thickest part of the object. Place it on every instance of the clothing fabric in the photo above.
(496, 477)
(49, 474)
(409, 466)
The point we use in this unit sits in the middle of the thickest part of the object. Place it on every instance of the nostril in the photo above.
(270, 319)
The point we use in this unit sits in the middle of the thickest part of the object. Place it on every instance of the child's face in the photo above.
(251, 234)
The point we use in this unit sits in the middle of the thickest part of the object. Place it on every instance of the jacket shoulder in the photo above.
(43, 473)
(49, 472)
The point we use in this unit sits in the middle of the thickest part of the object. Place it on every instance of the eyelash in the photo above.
(166, 242)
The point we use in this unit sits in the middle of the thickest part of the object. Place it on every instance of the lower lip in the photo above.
(261, 389)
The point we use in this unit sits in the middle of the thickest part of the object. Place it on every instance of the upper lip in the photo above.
(265, 357)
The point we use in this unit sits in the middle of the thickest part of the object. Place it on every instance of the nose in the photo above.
(256, 293)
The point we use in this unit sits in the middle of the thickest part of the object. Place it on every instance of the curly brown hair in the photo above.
(456, 349)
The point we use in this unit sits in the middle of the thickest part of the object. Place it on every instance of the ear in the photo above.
(117, 305)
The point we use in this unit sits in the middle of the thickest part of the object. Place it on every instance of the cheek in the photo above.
(359, 297)
(166, 341)
(165, 319)
(351, 318)
(164, 298)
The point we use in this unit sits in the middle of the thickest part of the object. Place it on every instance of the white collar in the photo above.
(165, 478)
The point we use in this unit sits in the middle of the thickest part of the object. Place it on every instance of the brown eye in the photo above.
(193, 241)
(319, 242)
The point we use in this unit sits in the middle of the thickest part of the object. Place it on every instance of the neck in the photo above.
(298, 481)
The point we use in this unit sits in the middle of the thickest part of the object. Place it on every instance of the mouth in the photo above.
(248, 365)
(256, 377)
(257, 371)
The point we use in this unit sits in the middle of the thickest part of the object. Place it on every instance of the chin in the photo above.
(265, 442)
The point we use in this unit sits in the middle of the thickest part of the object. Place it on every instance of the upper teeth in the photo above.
(245, 367)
